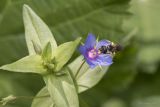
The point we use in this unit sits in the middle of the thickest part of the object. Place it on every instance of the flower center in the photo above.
(93, 53)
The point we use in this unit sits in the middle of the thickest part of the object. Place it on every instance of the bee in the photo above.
(110, 49)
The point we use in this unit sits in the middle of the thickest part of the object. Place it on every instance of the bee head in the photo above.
(119, 48)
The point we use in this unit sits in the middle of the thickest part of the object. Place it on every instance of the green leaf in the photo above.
(28, 64)
(37, 48)
(62, 90)
(86, 77)
(36, 31)
(147, 23)
(42, 99)
(146, 18)
(67, 19)
(120, 75)
(47, 52)
(64, 52)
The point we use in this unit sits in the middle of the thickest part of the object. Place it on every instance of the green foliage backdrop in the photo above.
(133, 79)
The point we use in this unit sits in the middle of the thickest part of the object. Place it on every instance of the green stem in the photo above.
(79, 69)
(6, 100)
(31, 97)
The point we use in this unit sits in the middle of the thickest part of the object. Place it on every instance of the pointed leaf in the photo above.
(85, 77)
(64, 52)
(36, 31)
(62, 90)
(42, 99)
(28, 64)
(47, 52)
(37, 48)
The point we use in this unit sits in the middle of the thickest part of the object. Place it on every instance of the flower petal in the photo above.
(104, 60)
(90, 63)
(90, 41)
(102, 43)
(82, 49)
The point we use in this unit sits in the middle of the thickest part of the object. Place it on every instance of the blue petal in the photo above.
(82, 49)
(104, 60)
(90, 63)
(90, 41)
(102, 43)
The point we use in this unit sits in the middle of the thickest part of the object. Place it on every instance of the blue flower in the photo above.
(93, 56)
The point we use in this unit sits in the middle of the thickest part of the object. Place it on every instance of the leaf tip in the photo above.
(49, 44)
(78, 40)
(25, 6)
(3, 67)
(25, 9)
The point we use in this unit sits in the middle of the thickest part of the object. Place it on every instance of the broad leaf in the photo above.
(120, 75)
(36, 31)
(42, 99)
(28, 64)
(64, 52)
(67, 19)
(62, 90)
(86, 77)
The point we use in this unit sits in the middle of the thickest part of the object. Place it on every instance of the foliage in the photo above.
(133, 79)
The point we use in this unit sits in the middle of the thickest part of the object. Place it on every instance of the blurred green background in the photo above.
(134, 78)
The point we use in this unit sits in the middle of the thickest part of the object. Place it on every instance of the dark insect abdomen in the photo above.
(110, 49)
(103, 49)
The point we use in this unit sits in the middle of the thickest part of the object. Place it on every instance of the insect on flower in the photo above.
(98, 53)
(110, 49)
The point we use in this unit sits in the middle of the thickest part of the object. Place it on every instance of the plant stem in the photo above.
(12, 98)
(79, 69)
(30, 97)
